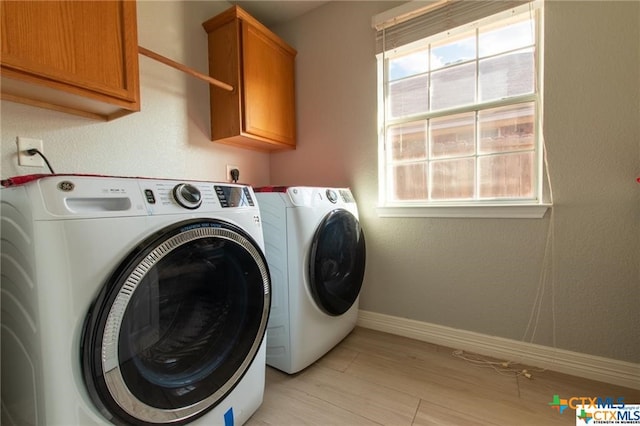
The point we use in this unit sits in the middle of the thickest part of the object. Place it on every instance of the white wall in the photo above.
(168, 138)
(480, 275)
(483, 275)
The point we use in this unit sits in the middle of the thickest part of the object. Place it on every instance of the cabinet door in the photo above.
(87, 48)
(269, 88)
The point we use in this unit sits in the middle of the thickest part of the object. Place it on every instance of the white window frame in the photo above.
(466, 208)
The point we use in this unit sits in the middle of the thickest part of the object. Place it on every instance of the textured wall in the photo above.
(168, 138)
(483, 275)
(480, 275)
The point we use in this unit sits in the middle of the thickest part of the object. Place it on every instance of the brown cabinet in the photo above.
(260, 112)
(79, 57)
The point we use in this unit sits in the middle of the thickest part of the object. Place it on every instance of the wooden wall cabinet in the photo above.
(260, 112)
(79, 57)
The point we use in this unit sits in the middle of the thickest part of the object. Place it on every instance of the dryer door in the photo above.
(177, 325)
(336, 262)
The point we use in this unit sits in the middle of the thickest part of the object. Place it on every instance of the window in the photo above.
(460, 109)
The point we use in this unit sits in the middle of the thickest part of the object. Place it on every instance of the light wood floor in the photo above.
(374, 378)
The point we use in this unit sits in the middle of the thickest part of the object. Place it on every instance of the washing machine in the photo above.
(316, 254)
(132, 301)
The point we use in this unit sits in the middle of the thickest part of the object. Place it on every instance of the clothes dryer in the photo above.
(132, 301)
(316, 254)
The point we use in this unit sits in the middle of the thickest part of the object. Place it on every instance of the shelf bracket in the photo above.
(184, 68)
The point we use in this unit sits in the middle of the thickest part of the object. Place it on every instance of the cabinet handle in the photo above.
(184, 68)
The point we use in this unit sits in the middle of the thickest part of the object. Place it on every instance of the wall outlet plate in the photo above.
(24, 159)
(229, 168)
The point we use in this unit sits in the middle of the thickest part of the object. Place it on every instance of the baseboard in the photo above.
(592, 367)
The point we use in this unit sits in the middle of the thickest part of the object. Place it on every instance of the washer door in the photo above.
(336, 262)
(177, 325)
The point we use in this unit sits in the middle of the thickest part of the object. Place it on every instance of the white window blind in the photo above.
(430, 18)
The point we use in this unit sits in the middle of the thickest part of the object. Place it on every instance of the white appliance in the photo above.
(132, 301)
(316, 255)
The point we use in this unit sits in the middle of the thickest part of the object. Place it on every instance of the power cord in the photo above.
(34, 151)
(505, 368)
(235, 175)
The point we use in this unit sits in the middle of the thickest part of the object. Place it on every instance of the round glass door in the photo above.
(336, 262)
(178, 324)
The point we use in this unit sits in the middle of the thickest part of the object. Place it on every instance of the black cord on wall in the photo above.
(34, 151)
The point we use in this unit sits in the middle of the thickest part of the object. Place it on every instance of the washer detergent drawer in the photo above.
(71, 197)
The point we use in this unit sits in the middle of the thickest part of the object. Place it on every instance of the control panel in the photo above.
(165, 196)
(89, 196)
(234, 196)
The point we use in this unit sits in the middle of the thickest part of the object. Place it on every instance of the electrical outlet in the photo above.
(229, 168)
(24, 159)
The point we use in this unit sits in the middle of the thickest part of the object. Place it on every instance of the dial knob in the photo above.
(188, 196)
(332, 196)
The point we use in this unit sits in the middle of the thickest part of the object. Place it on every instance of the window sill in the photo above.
(487, 211)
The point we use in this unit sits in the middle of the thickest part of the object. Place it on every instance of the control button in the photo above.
(187, 195)
(347, 197)
(151, 199)
(247, 194)
(222, 196)
(332, 196)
